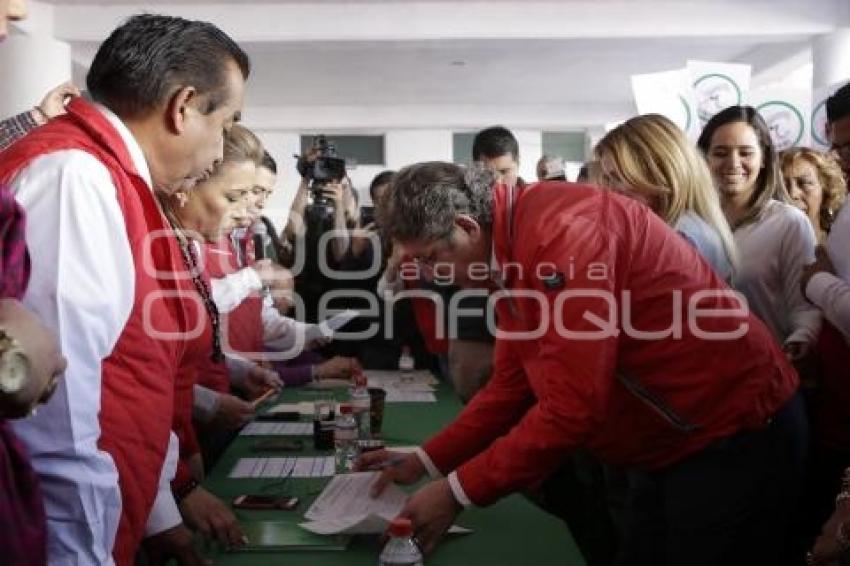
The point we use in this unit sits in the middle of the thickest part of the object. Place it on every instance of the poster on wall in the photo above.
(787, 113)
(717, 86)
(668, 93)
(818, 120)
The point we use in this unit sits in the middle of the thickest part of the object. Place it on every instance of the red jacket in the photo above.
(632, 401)
(137, 384)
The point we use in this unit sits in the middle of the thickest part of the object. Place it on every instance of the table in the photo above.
(511, 532)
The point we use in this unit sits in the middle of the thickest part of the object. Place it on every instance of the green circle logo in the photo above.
(785, 122)
(715, 92)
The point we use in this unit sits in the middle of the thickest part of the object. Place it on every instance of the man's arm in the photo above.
(14, 128)
(570, 376)
(82, 288)
(798, 249)
(490, 414)
(52, 105)
(832, 295)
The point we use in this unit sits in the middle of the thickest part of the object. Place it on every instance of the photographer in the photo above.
(325, 201)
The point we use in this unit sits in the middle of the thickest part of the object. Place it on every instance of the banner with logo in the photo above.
(668, 93)
(819, 96)
(717, 86)
(787, 113)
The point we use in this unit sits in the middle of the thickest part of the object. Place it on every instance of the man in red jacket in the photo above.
(615, 336)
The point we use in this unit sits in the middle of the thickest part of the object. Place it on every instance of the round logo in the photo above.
(819, 124)
(785, 122)
(714, 92)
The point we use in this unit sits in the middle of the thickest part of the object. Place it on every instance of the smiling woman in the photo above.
(774, 239)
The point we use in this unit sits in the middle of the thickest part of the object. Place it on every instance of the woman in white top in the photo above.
(774, 238)
(650, 159)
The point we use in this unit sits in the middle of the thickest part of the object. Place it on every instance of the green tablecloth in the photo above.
(512, 531)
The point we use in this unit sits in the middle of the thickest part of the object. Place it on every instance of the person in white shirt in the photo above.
(166, 90)
(774, 238)
(677, 186)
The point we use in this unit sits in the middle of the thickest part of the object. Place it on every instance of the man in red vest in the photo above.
(103, 275)
(614, 336)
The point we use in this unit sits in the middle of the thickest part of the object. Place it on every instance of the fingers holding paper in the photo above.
(396, 467)
(432, 510)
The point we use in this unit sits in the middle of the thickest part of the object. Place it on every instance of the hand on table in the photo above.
(206, 513)
(338, 367)
(432, 510)
(404, 469)
(175, 543)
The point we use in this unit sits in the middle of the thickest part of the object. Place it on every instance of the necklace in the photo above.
(191, 262)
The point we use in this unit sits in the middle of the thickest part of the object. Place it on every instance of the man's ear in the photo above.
(468, 224)
(182, 103)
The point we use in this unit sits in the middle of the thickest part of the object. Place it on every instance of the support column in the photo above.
(30, 65)
(830, 58)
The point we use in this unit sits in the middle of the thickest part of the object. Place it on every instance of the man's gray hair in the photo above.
(424, 199)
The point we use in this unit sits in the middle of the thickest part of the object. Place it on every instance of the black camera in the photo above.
(327, 167)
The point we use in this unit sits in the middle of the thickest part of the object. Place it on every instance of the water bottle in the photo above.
(400, 550)
(360, 402)
(345, 440)
(405, 360)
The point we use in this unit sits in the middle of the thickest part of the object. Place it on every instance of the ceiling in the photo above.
(572, 58)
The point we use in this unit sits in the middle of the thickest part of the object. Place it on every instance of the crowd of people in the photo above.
(657, 354)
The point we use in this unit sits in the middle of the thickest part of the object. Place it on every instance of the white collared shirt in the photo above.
(82, 287)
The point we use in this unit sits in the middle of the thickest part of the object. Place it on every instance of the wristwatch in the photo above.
(14, 364)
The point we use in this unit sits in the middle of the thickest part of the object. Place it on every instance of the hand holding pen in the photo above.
(396, 467)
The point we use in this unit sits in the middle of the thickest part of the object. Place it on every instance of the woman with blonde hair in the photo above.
(650, 159)
(815, 183)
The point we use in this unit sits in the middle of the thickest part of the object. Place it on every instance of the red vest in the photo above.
(137, 385)
(197, 355)
(244, 324)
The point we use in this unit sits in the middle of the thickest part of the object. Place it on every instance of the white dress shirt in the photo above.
(82, 287)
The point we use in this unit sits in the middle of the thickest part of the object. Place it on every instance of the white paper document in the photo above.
(305, 408)
(345, 507)
(321, 467)
(277, 429)
(382, 378)
(326, 328)
(396, 396)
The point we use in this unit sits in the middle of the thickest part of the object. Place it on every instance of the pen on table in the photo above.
(262, 398)
(388, 463)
